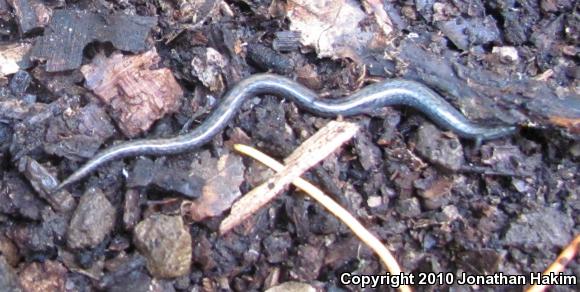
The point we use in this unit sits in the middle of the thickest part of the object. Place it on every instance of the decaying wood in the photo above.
(138, 95)
(11, 57)
(312, 151)
(71, 30)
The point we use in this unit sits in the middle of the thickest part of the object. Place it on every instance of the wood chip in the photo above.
(312, 151)
(138, 95)
(11, 57)
(571, 124)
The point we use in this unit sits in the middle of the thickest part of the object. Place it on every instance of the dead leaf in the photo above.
(208, 65)
(223, 178)
(338, 28)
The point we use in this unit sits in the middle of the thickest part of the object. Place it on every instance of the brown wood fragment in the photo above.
(9, 250)
(12, 57)
(312, 151)
(44, 182)
(131, 208)
(137, 95)
(572, 124)
(286, 41)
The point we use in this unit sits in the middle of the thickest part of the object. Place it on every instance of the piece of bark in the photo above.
(312, 151)
(169, 175)
(126, 277)
(267, 59)
(71, 30)
(137, 95)
(44, 182)
(19, 83)
(434, 194)
(482, 94)
(60, 83)
(440, 148)
(286, 41)
(131, 208)
(29, 134)
(30, 14)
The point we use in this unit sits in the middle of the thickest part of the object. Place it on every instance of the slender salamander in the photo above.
(387, 93)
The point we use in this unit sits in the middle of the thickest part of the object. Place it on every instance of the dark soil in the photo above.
(440, 203)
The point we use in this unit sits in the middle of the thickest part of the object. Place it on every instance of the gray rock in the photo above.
(19, 82)
(92, 220)
(546, 228)
(408, 208)
(166, 244)
(442, 150)
(465, 33)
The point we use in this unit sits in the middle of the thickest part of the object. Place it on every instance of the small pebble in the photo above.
(166, 244)
(408, 208)
(439, 149)
(506, 54)
(19, 82)
(92, 220)
(374, 201)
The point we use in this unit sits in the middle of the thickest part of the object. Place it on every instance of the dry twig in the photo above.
(366, 236)
(312, 151)
(566, 256)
